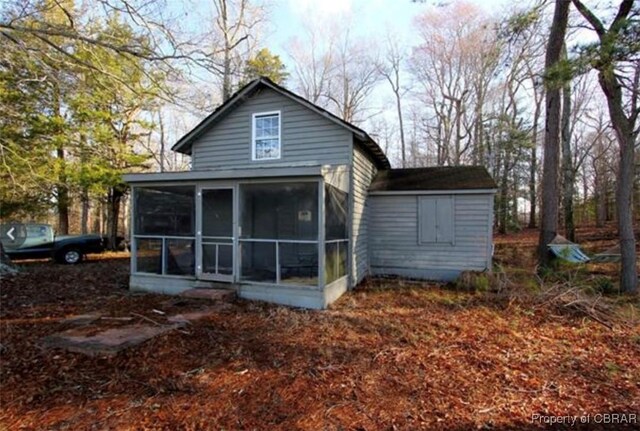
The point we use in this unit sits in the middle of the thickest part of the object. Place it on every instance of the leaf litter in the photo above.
(390, 355)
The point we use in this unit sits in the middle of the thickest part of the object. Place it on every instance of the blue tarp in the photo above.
(569, 252)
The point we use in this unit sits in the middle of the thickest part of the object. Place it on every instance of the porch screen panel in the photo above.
(336, 233)
(164, 230)
(259, 261)
(336, 209)
(167, 210)
(180, 256)
(298, 263)
(279, 233)
(149, 255)
(280, 211)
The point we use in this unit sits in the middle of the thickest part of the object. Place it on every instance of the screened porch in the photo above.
(272, 232)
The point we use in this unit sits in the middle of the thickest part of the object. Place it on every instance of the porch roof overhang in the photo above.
(247, 173)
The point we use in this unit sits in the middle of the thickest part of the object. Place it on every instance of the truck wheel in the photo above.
(69, 256)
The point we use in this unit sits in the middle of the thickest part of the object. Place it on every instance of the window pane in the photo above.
(335, 261)
(267, 148)
(259, 128)
(165, 210)
(180, 256)
(336, 209)
(258, 261)
(299, 263)
(149, 255)
(279, 211)
(266, 126)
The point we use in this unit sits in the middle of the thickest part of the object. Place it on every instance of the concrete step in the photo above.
(213, 295)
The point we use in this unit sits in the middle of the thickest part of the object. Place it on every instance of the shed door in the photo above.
(436, 220)
(216, 244)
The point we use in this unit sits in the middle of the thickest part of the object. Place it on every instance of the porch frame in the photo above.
(235, 185)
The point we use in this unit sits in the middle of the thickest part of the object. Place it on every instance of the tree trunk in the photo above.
(84, 222)
(226, 76)
(62, 193)
(568, 186)
(533, 169)
(504, 197)
(584, 216)
(97, 218)
(514, 204)
(626, 134)
(126, 216)
(601, 206)
(636, 187)
(401, 126)
(549, 219)
(624, 204)
(626, 174)
(113, 214)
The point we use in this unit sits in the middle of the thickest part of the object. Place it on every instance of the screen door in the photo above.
(217, 234)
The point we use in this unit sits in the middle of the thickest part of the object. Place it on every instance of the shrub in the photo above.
(472, 281)
(605, 286)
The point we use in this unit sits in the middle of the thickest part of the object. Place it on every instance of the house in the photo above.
(289, 204)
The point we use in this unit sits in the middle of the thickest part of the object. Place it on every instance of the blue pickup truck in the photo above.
(38, 241)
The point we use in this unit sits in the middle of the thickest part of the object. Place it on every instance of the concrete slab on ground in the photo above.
(82, 319)
(105, 343)
(192, 316)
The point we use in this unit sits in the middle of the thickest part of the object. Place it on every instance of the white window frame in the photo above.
(253, 135)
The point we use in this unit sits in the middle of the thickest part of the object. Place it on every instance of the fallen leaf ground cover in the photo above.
(390, 355)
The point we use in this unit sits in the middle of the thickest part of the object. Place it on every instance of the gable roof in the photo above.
(369, 145)
(434, 178)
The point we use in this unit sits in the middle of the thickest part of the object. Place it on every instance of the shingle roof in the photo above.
(370, 146)
(434, 178)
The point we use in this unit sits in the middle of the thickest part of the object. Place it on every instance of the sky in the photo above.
(288, 18)
(369, 17)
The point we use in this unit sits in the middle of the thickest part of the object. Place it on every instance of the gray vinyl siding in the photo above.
(395, 249)
(362, 173)
(306, 137)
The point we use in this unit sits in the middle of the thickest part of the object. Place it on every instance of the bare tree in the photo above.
(618, 82)
(453, 67)
(236, 24)
(355, 77)
(335, 70)
(549, 220)
(391, 68)
(313, 64)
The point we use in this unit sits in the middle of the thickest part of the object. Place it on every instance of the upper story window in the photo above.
(266, 136)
